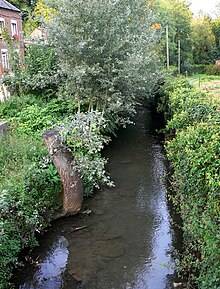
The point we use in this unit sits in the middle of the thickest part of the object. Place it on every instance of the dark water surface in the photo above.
(127, 239)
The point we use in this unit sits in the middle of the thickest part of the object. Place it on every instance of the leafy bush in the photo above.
(31, 115)
(11, 107)
(30, 184)
(106, 50)
(195, 156)
(195, 69)
(173, 70)
(82, 134)
(29, 190)
(212, 69)
(39, 74)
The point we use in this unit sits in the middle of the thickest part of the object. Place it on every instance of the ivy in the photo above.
(194, 153)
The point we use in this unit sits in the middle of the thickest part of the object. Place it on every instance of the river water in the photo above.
(127, 239)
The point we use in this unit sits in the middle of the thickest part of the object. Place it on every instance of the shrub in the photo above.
(212, 69)
(82, 134)
(30, 184)
(33, 116)
(106, 50)
(29, 190)
(173, 70)
(196, 69)
(39, 74)
(195, 156)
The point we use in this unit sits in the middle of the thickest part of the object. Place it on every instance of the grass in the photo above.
(204, 77)
(208, 83)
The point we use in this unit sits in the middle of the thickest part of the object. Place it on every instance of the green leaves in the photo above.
(106, 51)
(38, 75)
(82, 134)
(195, 156)
(29, 188)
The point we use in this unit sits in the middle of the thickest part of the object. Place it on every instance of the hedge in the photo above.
(193, 119)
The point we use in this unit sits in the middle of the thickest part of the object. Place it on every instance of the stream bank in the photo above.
(127, 240)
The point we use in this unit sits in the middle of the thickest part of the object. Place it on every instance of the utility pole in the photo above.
(179, 56)
(167, 45)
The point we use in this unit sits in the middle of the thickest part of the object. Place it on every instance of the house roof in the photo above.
(6, 5)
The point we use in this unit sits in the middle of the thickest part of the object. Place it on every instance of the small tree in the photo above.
(37, 73)
(216, 31)
(106, 50)
(203, 39)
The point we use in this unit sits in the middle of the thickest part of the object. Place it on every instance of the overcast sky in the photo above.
(207, 6)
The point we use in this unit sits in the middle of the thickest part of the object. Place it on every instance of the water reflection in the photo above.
(49, 275)
(128, 237)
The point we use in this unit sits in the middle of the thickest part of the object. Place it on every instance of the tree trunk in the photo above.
(71, 179)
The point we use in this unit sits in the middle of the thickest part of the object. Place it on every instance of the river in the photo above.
(127, 240)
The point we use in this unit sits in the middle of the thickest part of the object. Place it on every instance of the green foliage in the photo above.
(203, 40)
(82, 134)
(216, 31)
(34, 119)
(29, 187)
(205, 78)
(173, 70)
(39, 75)
(24, 4)
(106, 51)
(177, 15)
(199, 35)
(29, 183)
(212, 69)
(196, 69)
(33, 116)
(195, 156)
(40, 14)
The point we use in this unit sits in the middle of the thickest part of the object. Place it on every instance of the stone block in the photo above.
(3, 128)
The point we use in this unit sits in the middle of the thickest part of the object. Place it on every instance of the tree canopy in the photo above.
(24, 4)
(176, 14)
(106, 50)
(203, 39)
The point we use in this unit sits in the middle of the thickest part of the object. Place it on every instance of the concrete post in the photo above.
(3, 128)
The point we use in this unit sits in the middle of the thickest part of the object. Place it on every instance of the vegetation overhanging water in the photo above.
(127, 240)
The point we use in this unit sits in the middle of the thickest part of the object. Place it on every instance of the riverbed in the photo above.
(123, 238)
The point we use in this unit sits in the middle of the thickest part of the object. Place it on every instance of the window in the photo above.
(14, 27)
(2, 22)
(5, 64)
(2, 25)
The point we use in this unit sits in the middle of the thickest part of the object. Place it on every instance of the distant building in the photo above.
(39, 35)
(10, 20)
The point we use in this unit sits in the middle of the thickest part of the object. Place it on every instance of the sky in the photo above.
(208, 6)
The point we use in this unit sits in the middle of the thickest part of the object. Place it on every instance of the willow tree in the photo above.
(106, 50)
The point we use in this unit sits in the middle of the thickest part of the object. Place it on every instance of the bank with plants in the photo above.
(85, 81)
(193, 148)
